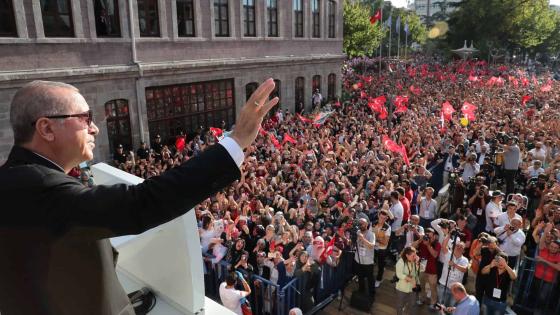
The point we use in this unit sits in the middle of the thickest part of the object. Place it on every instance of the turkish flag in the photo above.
(468, 110)
(447, 110)
(411, 72)
(525, 99)
(180, 144)
(394, 147)
(473, 78)
(524, 81)
(377, 103)
(274, 141)
(272, 246)
(216, 132)
(376, 17)
(546, 88)
(401, 102)
(416, 91)
(363, 94)
(327, 251)
(383, 113)
(288, 138)
(304, 119)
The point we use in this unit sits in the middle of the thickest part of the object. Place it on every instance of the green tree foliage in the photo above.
(527, 24)
(360, 36)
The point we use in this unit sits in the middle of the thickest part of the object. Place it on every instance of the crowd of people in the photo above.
(468, 192)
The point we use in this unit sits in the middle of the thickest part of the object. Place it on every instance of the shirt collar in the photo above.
(53, 163)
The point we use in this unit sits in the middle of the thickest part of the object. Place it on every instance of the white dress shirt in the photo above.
(511, 244)
(492, 212)
(398, 212)
(504, 219)
(233, 149)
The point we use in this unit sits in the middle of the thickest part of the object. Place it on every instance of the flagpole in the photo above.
(406, 41)
(381, 40)
(390, 31)
(399, 41)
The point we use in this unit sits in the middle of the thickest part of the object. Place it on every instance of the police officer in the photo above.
(143, 153)
(119, 157)
(157, 146)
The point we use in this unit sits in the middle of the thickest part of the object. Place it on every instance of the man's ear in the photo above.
(43, 129)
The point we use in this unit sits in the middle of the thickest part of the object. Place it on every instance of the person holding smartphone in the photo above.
(499, 277)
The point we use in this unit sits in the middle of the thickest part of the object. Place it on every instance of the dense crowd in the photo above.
(313, 189)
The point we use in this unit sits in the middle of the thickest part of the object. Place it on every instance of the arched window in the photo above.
(118, 124)
(331, 93)
(249, 89)
(300, 93)
(316, 83)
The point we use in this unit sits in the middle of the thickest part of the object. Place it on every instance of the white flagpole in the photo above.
(399, 43)
(406, 42)
(381, 40)
(390, 32)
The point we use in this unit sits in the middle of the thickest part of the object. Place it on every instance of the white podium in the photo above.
(167, 258)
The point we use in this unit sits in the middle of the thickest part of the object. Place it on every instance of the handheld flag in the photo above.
(447, 110)
(468, 110)
(180, 144)
(216, 132)
(288, 138)
(525, 99)
(376, 17)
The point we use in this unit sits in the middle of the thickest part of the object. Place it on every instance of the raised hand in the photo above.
(249, 120)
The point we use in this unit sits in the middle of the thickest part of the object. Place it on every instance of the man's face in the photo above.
(74, 140)
(554, 248)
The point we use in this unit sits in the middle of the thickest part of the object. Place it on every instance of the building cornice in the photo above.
(149, 69)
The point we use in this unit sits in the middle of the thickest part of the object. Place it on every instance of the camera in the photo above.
(444, 224)
(484, 240)
(426, 238)
(512, 228)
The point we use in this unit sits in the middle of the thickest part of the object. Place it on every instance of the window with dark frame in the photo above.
(272, 14)
(57, 18)
(118, 124)
(316, 83)
(316, 14)
(185, 18)
(331, 90)
(221, 18)
(107, 21)
(249, 18)
(298, 18)
(332, 18)
(7, 19)
(148, 18)
(187, 107)
(300, 91)
(249, 89)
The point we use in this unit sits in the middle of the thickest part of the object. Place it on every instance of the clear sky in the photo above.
(402, 3)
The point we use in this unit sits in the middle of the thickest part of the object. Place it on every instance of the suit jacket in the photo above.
(56, 258)
(454, 160)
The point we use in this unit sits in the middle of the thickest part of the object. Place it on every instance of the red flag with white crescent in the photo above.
(447, 110)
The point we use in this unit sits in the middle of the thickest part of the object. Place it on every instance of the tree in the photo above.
(360, 36)
(526, 24)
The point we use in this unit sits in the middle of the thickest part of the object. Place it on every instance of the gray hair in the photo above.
(33, 101)
(296, 311)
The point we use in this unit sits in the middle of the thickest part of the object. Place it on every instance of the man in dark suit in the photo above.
(450, 162)
(53, 233)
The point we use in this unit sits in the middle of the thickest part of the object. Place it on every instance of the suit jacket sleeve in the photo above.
(108, 211)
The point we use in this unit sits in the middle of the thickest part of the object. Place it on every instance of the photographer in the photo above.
(412, 230)
(511, 162)
(485, 249)
(382, 231)
(510, 214)
(364, 257)
(477, 204)
(493, 210)
(470, 167)
(407, 271)
(512, 239)
(497, 284)
(428, 250)
(464, 304)
(454, 267)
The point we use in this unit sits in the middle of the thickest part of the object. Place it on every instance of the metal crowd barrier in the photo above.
(534, 296)
(268, 298)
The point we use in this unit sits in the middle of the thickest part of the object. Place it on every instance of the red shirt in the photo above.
(409, 194)
(544, 271)
(406, 209)
(424, 253)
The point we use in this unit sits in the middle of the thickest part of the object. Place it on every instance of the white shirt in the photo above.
(535, 172)
(470, 170)
(512, 244)
(231, 298)
(538, 154)
(477, 146)
(455, 275)
(428, 208)
(492, 212)
(441, 238)
(504, 219)
(398, 212)
(234, 150)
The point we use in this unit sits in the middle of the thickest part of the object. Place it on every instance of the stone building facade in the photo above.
(161, 66)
